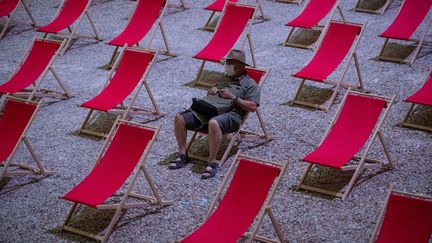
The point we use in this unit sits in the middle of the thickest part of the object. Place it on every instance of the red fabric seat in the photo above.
(218, 5)
(132, 67)
(230, 28)
(16, 116)
(424, 95)
(352, 129)
(7, 6)
(72, 10)
(243, 200)
(118, 162)
(40, 55)
(142, 20)
(406, 219)
(335, 46)
(411, 15)
(312, 14)
(255, 74)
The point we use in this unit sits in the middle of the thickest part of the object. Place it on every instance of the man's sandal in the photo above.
(181, 161)
(211, 170)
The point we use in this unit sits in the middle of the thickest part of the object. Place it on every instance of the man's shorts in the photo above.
(228, 122)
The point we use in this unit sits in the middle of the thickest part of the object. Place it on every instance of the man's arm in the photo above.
(246, 105)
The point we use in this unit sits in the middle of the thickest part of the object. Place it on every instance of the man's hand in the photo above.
(226, 94)
(213, 91)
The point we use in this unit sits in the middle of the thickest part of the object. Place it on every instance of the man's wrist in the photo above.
(235, 100)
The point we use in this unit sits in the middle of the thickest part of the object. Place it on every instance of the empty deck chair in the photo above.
(129, 73)
(32, 69)
(410, 16)
(218, 6)
(8, 9)
(68, 13)
(234, 19)
(147, 15)
(423, 97)
(18, 115)
(259, 75)
(356, 125)
(122, 156)
(380, 11)
(248, 196)
(313, 12)
(340, 41)
(405, 217)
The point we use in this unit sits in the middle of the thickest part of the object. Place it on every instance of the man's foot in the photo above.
(181, 161)
(211, 170)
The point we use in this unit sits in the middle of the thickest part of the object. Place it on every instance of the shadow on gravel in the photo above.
(305, 37)
(422, 115)
(210, 78)
(397, 50)
(312, 94)
(4, 189)
(372, 4)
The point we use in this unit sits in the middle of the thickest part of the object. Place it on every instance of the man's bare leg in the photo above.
(215, 139)
(180, 133)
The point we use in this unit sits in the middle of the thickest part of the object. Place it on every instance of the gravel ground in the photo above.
(30, 209)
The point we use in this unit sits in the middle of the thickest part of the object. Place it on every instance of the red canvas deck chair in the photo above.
(410, 16)
(8, 9)
(259, 75)
(405, 217)
(340, 41)
(218, 5)
(423, 97)
(234, 19)
(356, 125)
(127, 76)
(147, 15)
(122, 156)
(68, 13)
(313, 12)
(18, 114)
(380, 11)
(32, 69)
(248, 197)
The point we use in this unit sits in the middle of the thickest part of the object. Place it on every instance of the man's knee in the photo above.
(179, 120)
(213, 124)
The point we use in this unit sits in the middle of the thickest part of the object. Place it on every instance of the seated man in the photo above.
(239, 92)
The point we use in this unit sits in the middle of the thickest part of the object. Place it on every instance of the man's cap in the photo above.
(237, 55)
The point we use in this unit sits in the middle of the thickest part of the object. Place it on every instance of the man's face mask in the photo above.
(229, 69)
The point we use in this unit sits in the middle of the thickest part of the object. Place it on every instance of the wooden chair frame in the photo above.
(157, 25)
(37, 91)
(183, 5)
(318, 27)
(24, 169)
(129, 193)
(240, 133)
(248, 40)
(129, 109)
(380, 11)
(352, 54)
(363, 160)
(72, 30)
(405, 122)
(420, 42)
(265, 209)
(290, 1)
(384, 209)
(207, 26)
(12, 14)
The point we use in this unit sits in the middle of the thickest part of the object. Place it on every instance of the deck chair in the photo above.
(340, 40)
(235, 18)
(32, 69)
(422, 97)
(259, 75)
(248, 197)
(147, 15)
(8, 9)
(122, 156)
(356, 125)
(68, 13)
(313, 12)
(18, 115)
(410, 16)
(379, 11)
(218, 5)
(405, 217)
(129, 73)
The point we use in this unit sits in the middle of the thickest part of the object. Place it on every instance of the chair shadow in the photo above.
(99, 122)
(312, 94)
(208, 77)
(372, 4)
(398, 51)
(422, 115)
(4, 182)
(305, 37)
